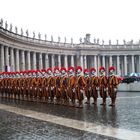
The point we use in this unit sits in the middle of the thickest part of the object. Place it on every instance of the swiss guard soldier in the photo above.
(57, 84)
(18, 85)
(94, 85)
(71, 85)
(22, 85)
(64, 86)
(87, 86)
(14, 84)
(51, 84)
(26, 85)
(6, 83)
(80, 85)
(39, 85)
(103, 85)
(44, 85)
(112, 85)
(30, 85)
(34, 84)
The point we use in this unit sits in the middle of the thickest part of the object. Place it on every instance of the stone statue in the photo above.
(6, 25)
(51, 38)
(124, 41)
(65, 40)
(11, 26)
(117, 42)
(21, 32)
(131, 42)
(98, 41)
(27, 33)
(80, 39)
(71, 40)
(103, 42)
(1, 22)
(33, 35)
(59, 39)
(109, 42)
(45, 37)
(16, 30)
(39, 36)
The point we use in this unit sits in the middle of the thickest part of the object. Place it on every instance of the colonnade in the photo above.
(13, 59)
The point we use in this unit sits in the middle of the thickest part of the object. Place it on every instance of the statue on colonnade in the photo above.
(1, 22)
(33, 35)
(11, 27)
(21, 32)
(16, 30)
(27, 33)
(39, 35)
(6, 25)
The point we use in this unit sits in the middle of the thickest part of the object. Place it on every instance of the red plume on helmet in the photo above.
(86, 70)
(71, 68)
(43, 70)
(92, 69)
(79, 67)
(49, 69)
(56, 68)
(102, 68)
(63, 68)
(111, 68)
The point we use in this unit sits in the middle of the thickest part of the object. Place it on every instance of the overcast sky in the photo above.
(103, 19)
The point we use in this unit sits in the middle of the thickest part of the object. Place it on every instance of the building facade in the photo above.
(19, 52)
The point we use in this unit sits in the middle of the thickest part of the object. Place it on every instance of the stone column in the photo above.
(85, 61)
(12, 59)
(133, 64)
(40, 61)
(118, 65)
(81, 61)
(72, 60)
(125, 64)
(110, 60)
(46, 61)
(103, 60)
(99, 63)
(34, 60)
(66, 61)
(7, 56)
(139, 63)
(22, 60)
(52, 59)
(2, 59)
(17, 60)
(28, 60)
(59, 61)
(95, 62)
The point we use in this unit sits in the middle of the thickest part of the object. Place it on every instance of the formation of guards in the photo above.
(60, 86)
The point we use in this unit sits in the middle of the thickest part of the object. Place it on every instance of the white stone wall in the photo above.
(129, 87)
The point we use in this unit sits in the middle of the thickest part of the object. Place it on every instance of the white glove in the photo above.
(52, 88)
(73, 89)
(97, 88)
(82, 91)
(106, 89)
(115, 89)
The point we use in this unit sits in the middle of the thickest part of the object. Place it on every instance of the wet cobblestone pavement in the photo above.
(126, 115)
